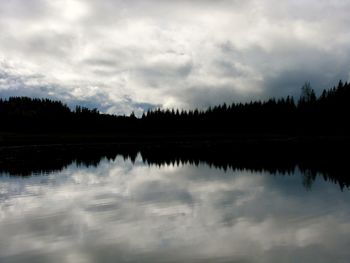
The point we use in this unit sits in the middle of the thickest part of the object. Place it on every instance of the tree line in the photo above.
(311, 159)
(309, 114)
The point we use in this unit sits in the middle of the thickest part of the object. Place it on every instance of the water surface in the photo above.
(124, 211)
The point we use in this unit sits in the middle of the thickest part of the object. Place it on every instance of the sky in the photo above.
(132, 55)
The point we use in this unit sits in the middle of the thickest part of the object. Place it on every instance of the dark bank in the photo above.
(326, 159)
(42, 121)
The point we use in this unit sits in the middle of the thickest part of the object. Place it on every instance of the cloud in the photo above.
(172, 53)
(14, 84)
(119, 211)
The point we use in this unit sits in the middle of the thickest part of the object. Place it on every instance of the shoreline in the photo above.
(21, 140)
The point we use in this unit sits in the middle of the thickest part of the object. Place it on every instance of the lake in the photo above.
(129, 210)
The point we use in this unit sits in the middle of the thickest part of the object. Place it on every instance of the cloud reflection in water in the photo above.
(124, 212)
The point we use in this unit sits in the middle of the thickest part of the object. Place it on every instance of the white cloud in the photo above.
(173, 53)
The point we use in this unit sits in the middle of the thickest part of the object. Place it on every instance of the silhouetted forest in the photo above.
(309, 115)
(310, 134)
(312, 159)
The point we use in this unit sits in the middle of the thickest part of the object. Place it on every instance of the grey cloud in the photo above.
(100, 62)
(12, 85)
(228, 68)
(285, 69)
(30, 9)
(157, 74)
(52, 43)
(310, 10)
(171, 53)
(43, 45)
(205, 96)
(322, 69)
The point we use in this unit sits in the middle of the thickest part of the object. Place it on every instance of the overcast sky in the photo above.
(129, 55)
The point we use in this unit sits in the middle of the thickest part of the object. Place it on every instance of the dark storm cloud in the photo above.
(171, 53)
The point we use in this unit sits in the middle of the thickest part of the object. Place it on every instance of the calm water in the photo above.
(121, 211)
